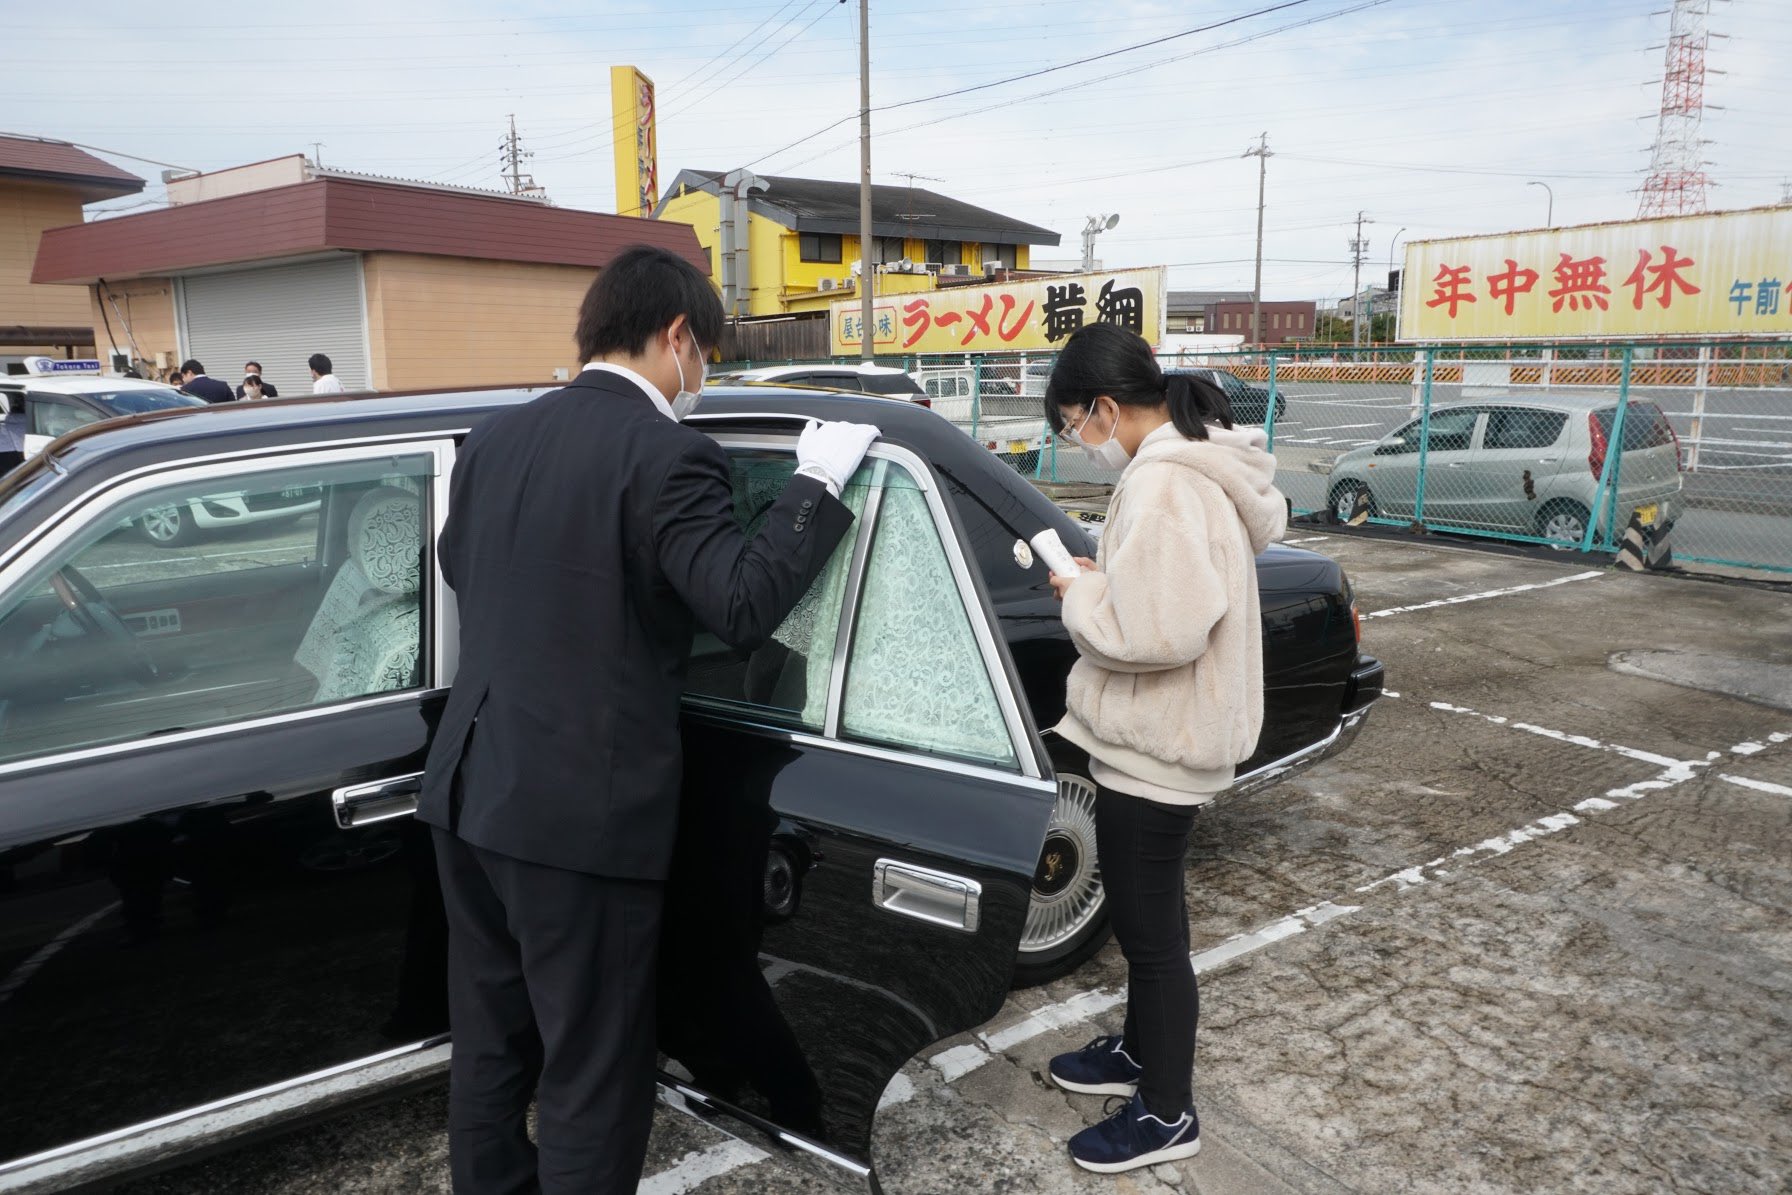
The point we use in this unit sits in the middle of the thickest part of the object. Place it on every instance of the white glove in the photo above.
(831, 452)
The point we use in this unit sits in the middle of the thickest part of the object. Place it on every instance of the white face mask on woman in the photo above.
(1110, 453)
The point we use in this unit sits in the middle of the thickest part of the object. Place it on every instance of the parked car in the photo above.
(57, 403)
(1250, 402)
(1526, 465)
(864, 378)
(216, 912)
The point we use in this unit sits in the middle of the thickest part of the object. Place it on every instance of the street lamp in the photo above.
(1391, 241)
(1549, 219)
(1095, 227)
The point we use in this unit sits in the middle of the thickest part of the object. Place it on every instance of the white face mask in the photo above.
(1110, 453)
(685, 401)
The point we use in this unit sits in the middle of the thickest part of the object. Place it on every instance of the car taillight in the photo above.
(1679, 460)
(1356, 623)
(924, 402)
(1596, 433)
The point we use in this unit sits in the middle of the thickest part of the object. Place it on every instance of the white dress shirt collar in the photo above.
(659, 400)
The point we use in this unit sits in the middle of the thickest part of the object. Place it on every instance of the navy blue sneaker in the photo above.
(1132, 1138)
(1103, 1067)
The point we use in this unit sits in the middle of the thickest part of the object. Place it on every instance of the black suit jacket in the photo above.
(587, 535)
(209, 388)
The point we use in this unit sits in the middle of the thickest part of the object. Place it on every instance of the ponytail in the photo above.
(1195, 402)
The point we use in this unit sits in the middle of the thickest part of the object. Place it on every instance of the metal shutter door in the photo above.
(279, 316)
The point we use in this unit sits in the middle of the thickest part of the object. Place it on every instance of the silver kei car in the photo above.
(1529, 465)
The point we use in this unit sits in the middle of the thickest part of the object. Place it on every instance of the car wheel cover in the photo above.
(1565, 525)
(1344, 505)
(1063, 905)
(162, 523)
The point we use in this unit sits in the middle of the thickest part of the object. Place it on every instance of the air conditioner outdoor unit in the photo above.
(828, 284)
(990, 267)
(934, 267)
(958, 271)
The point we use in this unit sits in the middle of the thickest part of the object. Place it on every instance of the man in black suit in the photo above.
(193, 381)
(589, 533)
(252, 369)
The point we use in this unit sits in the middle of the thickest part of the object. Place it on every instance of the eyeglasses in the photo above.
(1069, 435)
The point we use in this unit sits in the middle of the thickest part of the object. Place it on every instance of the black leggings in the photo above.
(1142, 845)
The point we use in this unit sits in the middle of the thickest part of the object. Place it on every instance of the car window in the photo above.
(1451, 431)
(1514, 427)
(786, 680)
(1645, 426)
(896, 384)
(915, 677)
(305, 589)
(52, 417)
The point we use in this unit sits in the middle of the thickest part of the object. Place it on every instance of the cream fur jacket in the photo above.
(1169, 687)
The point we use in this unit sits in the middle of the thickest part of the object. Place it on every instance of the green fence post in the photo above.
(976, 395)
(1605, 498)
(1269, 413)
(1418, 506)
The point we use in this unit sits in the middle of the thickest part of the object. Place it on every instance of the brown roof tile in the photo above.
(340, 214)
(31, 157)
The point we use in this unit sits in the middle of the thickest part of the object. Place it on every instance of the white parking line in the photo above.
(1311, 539)
(1573, 740)
(1778, 790)
(1338, 427)
(699, 1166)
(1481, 597)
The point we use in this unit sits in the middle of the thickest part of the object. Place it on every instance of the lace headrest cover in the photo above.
(385, 539)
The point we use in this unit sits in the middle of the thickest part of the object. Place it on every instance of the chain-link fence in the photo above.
(1566, 445)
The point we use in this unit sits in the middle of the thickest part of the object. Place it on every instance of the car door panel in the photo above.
(182, 916)
(837, 905)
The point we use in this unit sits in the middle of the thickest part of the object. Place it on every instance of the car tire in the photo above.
(1342, 500)
(1563, 521)
(168, 526)
(1067, 916)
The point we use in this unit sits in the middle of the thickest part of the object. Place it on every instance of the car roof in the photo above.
(89, 384)
(772, 372)
(1551, 402)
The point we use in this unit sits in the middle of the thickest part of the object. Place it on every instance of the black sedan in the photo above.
(217, 915)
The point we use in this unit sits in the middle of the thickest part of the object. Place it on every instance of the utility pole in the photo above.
(1359, 249)
(1262, 154)
(867, 267)
(513, 158)
(317, 154)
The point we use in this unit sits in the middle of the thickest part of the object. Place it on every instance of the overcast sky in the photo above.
(1427, 115)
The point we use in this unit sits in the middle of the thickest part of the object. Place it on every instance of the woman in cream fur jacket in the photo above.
(1166, 698)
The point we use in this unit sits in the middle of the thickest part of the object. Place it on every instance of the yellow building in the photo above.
(43, 184)
(801, 248)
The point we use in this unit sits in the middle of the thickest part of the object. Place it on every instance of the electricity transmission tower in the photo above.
(1677, 179)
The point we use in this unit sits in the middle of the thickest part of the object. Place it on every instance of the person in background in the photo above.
(323, 380)
(194, 382)
(12, 432)
(253, 370)
(589, 534)
(1166, 697)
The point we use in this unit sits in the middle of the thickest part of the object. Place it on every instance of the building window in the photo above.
(819, 246)
(1006, 254)
(945, 253)
(889, 249)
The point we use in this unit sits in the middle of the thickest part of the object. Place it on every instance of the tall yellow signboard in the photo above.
(637, 142)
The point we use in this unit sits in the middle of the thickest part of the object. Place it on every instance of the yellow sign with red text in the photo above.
(1722, 274)
(1036, 315)
(636, 142)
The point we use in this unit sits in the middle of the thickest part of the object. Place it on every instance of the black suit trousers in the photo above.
(551, 993)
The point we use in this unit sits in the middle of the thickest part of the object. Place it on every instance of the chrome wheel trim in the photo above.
(1056, 919)
(1565, 526)
(161, 523)
(1344, 505)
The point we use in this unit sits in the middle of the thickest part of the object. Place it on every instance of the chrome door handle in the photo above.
(927, 895)
(383, 800)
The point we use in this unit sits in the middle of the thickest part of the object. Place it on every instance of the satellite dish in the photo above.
(1113, 219)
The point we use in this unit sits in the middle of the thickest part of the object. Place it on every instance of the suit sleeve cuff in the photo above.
(820, 474)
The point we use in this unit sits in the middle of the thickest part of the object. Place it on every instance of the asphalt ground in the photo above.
(1528, 934)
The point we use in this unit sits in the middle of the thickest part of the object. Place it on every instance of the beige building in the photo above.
(402, 285)
(44, 184)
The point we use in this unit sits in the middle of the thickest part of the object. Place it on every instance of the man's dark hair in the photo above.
(191, 366)
(637, 295)
(320, 363)
(1107, 360)
(255, 365)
